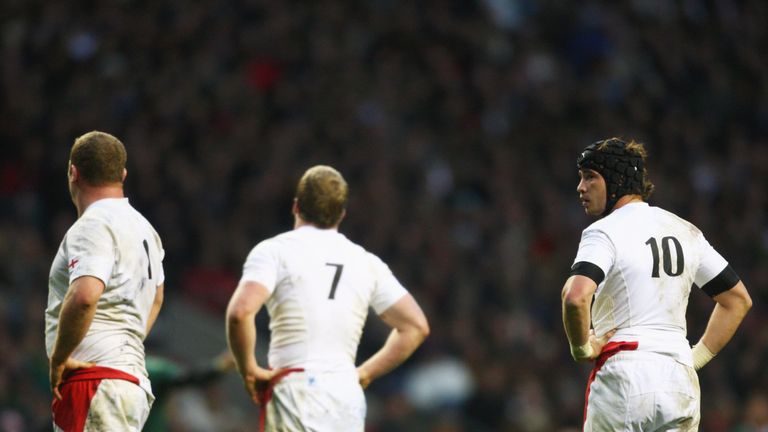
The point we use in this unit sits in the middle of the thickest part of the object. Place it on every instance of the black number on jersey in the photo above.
(666, 256)
(336, 278)
(149, 264)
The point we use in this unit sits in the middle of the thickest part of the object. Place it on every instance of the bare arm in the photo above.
(577, 302)
(76, 315)
(77, 311)
(156, 305)
(409, 329)
(731, 307)
(246, 302)
(577, 299)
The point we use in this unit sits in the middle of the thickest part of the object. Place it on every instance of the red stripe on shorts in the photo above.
(265, 395)
(77, 388)
(609, 350)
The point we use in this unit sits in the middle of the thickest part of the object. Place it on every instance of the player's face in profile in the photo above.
(592, 192)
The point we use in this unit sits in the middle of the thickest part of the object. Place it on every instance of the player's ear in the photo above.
(72, 173)
(125, 174)
(295, 207)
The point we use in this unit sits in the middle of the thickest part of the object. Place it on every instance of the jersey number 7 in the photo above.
(336, 278)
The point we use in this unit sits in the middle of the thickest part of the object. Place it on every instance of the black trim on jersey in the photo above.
(722, 282)
(592, 271)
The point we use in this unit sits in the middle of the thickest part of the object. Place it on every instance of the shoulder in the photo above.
(600, 227)
(352, 245)
(603, 234)
(106, 213)
(677, 219)
(358, 250)
(630, 215)
(273, 245)
(91, 223)
(272, 242)
(374, 259)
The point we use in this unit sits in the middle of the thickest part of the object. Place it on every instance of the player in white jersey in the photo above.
(638, 264)
(318, 287)
(105, 290)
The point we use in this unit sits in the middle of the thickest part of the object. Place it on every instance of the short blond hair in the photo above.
(322, 196)
(99, 157)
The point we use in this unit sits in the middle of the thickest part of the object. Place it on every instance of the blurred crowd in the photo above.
(457, 125)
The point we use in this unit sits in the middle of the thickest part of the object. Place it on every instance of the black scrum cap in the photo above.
(622, 170)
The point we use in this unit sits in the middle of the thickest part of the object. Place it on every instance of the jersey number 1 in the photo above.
(666, 256)
(336, 277)
(149, 265)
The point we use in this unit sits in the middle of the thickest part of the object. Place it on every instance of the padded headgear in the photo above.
(622, 170)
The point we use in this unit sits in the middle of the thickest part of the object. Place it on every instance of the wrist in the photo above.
(363, 373)
(581, 352)
(57, 360)
(249, 369)
(701, 355)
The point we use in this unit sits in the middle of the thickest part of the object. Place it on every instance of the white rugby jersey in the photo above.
(650, 258)
(321, 287)
(115, 243)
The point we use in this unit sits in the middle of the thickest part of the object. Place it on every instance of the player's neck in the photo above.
(88, 195)
(299, 222)
(627, 199)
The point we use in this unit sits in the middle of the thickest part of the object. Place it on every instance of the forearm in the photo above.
(241, 336)
(153, 317)
(722, 326)
(398, 347)
(576, 321)
(156, 306)
(74, 321)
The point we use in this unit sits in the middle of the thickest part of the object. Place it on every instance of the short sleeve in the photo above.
(261, 265)
(160, 270)
(597, 249)
(388, 289)
(713, 268)
(90, 250)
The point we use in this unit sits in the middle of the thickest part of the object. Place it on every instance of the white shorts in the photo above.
(643, 392)
(117, 405)
(327, 402)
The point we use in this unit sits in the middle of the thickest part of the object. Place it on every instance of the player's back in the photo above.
(116, 244)
(645, 293)
(323, 286)
(138, 268)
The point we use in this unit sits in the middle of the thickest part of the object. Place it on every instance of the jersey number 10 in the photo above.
(666, 256)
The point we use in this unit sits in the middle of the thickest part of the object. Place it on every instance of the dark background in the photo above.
(457, 125)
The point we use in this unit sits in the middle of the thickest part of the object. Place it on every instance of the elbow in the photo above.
(573, 301)
(84, 300)
(416, 331)
(746, 303)
(237, 314)
(423, 330)
(742, 301)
